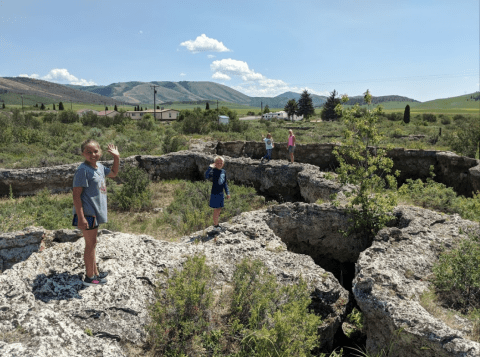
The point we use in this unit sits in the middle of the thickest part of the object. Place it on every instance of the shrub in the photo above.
(428, 117)
(146, 123)
(439, 197)
(445, 120)
(457, 276)
(68, 116)
(259, 316)
(49, 118)
(172, 142)
(394, 116)
(134, 194)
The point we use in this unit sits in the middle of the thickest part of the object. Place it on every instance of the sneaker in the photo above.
(102, 275)
(102, 280)
(93, 281)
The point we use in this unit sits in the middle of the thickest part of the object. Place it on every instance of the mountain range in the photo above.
(166, 92)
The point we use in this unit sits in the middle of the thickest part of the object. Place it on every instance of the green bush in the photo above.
(457, 276)
(256, 317)
(439, 197)
(172, 142)
(134, 193)
(68, 116)
(44, 209)
(146, 123)
(428, 117)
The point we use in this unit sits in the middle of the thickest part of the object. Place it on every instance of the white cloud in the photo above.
(140, 32)
(233, 67)
(36, 76)
(221, 76)
(61, 75)
(203, 44)
(254, 84)
(183, 74)
(211, 56)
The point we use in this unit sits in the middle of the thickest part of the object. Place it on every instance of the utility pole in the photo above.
(22, 105)
(154, 105)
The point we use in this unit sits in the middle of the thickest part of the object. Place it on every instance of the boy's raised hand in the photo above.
(112, 149)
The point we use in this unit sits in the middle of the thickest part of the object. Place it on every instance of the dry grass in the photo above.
(146, 222)
(451, 318)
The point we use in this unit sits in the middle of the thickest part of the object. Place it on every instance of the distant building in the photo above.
(108, 113)
(82, 112)
(223, 119)
(161, 114)
(280, 115)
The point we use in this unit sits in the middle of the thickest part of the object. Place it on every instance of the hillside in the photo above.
(44, 92)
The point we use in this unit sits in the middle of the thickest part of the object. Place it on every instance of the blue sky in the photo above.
(422, 49)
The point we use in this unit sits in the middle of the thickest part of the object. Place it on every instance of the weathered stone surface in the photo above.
(56, 179)
(392, 274)
(67, 235)
(277, 178)
(316, 230)
(461, 173)
(18, 246)
(45, 296)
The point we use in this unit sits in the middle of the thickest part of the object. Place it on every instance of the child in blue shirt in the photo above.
(218, 176)
(90, 202)
(269, 146)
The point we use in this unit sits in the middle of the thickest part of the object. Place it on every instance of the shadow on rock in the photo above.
(57, 286)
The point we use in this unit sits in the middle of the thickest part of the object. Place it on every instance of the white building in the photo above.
(223, 119)
(281, 115)
(160, 114)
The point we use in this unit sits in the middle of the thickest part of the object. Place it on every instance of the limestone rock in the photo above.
(45, 298)
(392, 274)
(18, 246)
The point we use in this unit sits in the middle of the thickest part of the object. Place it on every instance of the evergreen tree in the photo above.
(60, 106)
(53, 105)
(115, 108)
(106, 108)
(291, 108)
(158, 107)
(266, 109)
(207, 106)
(328, 112)
(3, 106)
(305, 105)
(42, 107)
(141, 109)
(406, 115)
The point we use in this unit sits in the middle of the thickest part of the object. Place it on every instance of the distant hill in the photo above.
(45, 92)
(167, 92)
(380, 99)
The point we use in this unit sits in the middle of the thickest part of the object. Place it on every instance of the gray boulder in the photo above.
(43, 296)
(393, 273)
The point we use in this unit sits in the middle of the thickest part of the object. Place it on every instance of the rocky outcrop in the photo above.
(393, 273)
(461, 173)
(18, 246)
(43, 296)
(304, 180)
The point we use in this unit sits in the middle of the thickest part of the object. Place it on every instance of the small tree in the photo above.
(406, 115)
(207, 106)
(115, 108)
(266, 109)
(42, 107)
(3, 106)
(158, 107)
(329, 112)
(53, 106)
(60, 106)
(305, 105)
(367, 167)
(291, 108)
(106, 108)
